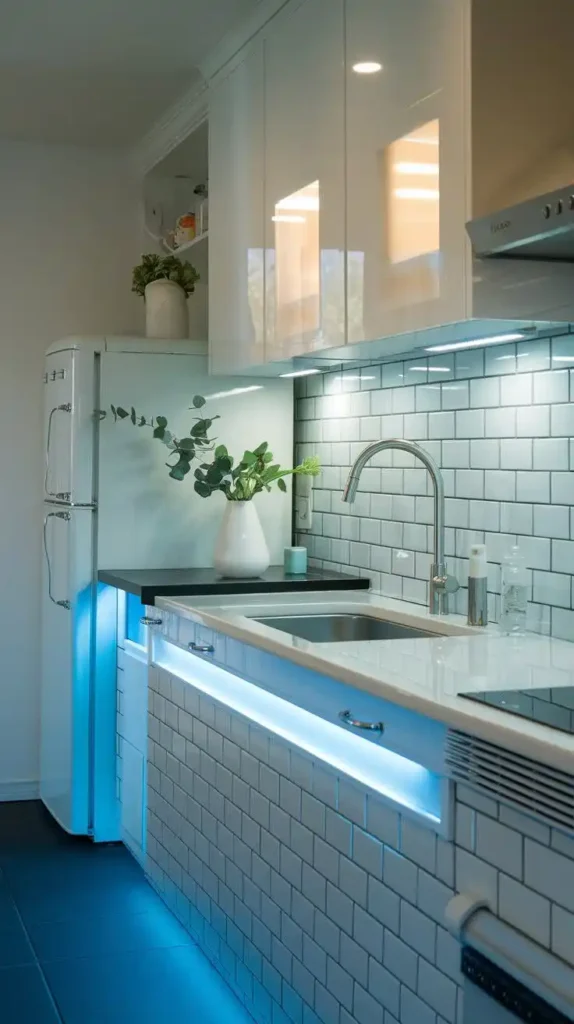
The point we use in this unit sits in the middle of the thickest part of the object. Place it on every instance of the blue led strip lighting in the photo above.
(405, 783)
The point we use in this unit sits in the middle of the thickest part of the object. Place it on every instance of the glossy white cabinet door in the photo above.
(406, 187)
(236, 277)
(304, 179)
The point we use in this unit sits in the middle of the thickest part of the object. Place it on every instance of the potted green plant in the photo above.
(165, 282)
(241, 550)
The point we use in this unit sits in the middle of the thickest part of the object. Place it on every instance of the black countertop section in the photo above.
(147, 584)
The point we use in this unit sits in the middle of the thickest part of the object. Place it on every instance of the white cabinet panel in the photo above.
(405, 150)
(236, 257)
(134, 683)
(304, 180)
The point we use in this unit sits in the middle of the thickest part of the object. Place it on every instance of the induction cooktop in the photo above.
(547, 706)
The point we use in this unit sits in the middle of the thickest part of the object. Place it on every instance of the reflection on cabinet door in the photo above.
(406, 200)
(305, 180)
(236, 276)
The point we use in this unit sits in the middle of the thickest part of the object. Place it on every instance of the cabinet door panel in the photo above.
(236, 273)
(405, 166)
(305, 179)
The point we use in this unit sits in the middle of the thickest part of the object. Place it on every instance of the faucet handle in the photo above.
(444, 583)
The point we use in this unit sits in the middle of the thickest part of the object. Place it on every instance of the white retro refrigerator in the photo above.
(109, 504)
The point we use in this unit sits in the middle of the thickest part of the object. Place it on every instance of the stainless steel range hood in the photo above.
(538, 229)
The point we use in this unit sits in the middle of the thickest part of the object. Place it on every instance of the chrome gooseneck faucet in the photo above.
(441, 584)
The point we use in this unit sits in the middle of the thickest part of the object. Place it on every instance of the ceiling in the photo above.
(101, 72)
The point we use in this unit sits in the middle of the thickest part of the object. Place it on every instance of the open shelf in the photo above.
(187, 245)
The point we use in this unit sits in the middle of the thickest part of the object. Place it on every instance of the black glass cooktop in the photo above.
(553, 707)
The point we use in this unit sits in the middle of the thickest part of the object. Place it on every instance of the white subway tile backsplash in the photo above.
(562, 420)
(533, 355)
(563, 934)
(533, 421)
(502, 437)
(515, 453)
(550, 387)
(500, 359)
(441, 424)
(500, 423)
(500, 485)
(551, 521)
(549, 874)
(516, 389)
(534, 487)
(485, 392)
(563, 624)
(469, 483)
(484, 515)
(551, 588)
(563, 556)
(427, 397)
(455, 395)
(550, 453)
(516, 516)
(483, 454)
(393, 375)
(469, 363)
(469, 423)
(562, 487)
(524, 909)
(535, 551)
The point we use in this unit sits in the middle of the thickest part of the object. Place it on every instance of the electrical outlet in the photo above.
(304, 503)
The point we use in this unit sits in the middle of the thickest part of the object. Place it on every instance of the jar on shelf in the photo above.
(201, 209)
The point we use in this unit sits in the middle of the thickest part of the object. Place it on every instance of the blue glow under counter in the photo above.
(409, 786)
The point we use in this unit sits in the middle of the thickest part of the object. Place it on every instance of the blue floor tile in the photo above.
(24, 998)
(14, 948)
(106, 936)
(149, 987)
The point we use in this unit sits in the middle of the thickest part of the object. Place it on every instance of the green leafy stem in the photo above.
(241, 481)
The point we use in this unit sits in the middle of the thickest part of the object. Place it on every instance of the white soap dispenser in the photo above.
(477, 586)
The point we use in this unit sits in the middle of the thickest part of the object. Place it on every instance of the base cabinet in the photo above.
(134, 681)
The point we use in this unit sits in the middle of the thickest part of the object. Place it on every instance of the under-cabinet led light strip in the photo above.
(404, 782)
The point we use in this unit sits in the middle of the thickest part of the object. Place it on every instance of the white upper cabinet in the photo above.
(405, 157)
(236, 246)
(305, 180)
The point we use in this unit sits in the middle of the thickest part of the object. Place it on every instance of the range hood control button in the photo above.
(547, 211)
(559, 206)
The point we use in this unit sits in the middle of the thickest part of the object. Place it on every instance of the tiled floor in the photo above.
(85, 940)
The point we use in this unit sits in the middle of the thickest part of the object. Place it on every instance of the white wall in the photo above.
(68, 240)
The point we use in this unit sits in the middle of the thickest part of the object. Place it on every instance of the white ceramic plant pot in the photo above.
(240, 549)
(165, 310)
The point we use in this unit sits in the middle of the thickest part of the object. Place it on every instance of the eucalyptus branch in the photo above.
(256, 472)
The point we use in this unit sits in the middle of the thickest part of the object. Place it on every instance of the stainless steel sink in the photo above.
(329, 629)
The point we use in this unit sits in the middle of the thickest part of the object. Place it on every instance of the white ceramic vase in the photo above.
(241, 549)
(165, 310)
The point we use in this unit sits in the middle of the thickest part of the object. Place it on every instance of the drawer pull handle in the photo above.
(146, 621)
(356, 723)
(201, 648)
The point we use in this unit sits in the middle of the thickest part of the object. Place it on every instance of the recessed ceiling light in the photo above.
(367, 67)
(299, 373)
(495, 339)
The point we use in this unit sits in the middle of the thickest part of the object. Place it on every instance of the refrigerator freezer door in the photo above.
(147, 520)
(66, 690)
(69, 389)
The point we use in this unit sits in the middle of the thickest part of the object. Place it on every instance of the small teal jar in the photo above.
(295, 561)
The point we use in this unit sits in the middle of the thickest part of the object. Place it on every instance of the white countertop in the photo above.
(423, 674)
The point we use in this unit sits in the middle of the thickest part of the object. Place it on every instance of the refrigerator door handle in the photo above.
(66, 517)
(62, 495)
